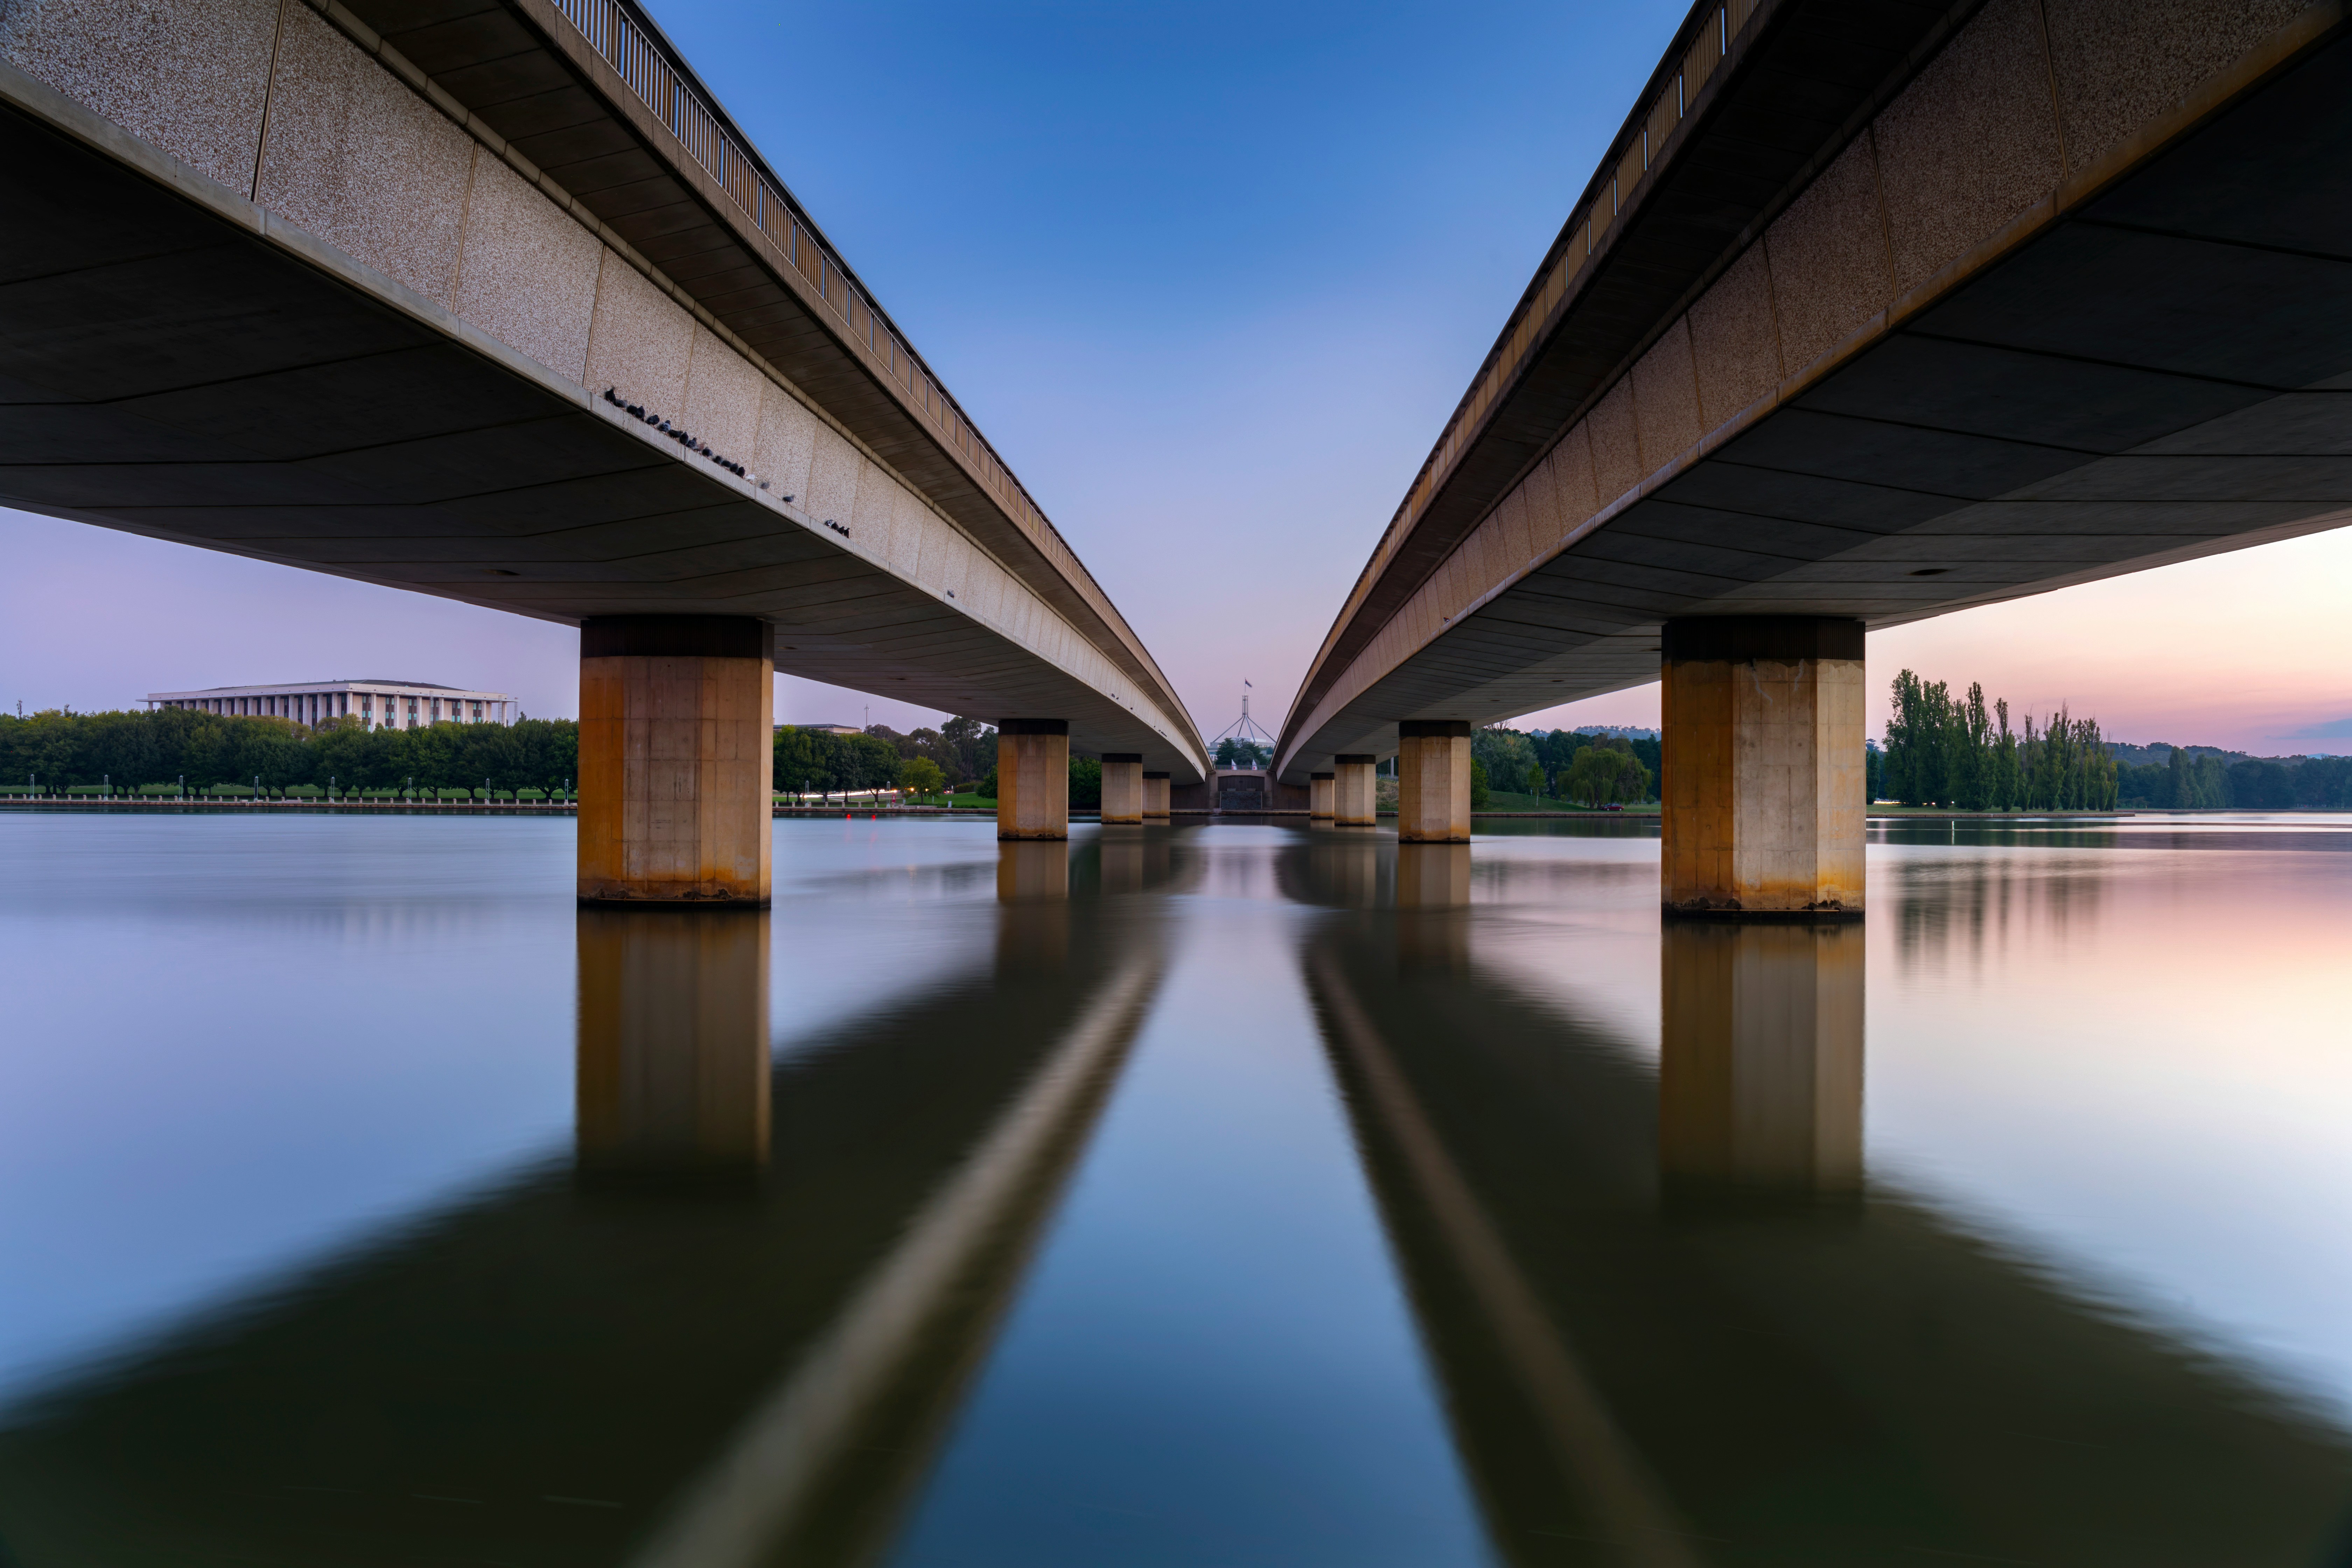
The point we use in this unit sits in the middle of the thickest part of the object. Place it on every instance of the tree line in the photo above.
(1590, 769)
(960, 752)
(1963, 753)
(59, 749)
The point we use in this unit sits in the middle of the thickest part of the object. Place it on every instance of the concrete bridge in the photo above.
(489, 298)
(1872, 312)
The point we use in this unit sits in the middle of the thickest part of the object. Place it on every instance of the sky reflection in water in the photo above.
(1241, 1195)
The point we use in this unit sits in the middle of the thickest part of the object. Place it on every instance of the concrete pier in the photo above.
(1760, 1079)
(1353, 800)
(1763, 813)
(1322, 794)
(1122, 786)
(1033, 778)
(1433, 781)
(1155, 796)
(676, 751)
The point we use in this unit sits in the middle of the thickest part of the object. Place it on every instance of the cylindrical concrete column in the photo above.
(675, 749)
(1759, 1074)
(1033, 778)
(1155, 796)
(1122, 786)
(1353, 800)
(1322, 795)
(1433, 781)
(1764, 771)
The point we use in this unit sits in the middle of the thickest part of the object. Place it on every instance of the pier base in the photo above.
(1433, 781)
(1033, 778)
(1353, 800)
(1763, 810)
(1122, 786)
(675, 753)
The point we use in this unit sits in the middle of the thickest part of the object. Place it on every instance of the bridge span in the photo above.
(1873, 312)
(490, 300)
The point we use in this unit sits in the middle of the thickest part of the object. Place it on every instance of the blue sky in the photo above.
(1210, 277)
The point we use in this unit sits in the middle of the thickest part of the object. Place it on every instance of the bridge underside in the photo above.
(2163, 373)
(176, 363)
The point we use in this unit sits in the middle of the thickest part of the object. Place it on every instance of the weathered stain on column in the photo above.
(1155, 796)
(1759, 1076)
(673, 1041)
(1322, 795)
(1122, 786)
(1033, 778)
(1433, 781)
(1762, 790)
(675, 753)
(1353, 800)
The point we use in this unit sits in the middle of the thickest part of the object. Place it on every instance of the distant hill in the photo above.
(2159, 753)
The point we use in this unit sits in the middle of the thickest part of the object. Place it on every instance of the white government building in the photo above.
(379, 704)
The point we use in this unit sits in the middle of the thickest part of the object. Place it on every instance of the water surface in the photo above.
(1242, 1194)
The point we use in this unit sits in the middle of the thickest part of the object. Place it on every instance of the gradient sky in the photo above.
(1210, 277)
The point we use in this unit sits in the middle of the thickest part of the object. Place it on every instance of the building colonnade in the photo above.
(383, 705)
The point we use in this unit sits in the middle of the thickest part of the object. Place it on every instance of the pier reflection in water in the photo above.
(1065, 1255)
(1677, 1324)
(730, 1331)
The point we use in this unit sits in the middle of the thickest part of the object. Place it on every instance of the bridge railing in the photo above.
(644, 61)
(1611, 190)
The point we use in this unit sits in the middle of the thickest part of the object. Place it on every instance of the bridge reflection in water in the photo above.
(730, 1330)
(1673, 1318)
(1673, 1322)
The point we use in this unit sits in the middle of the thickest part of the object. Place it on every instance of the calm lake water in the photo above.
(1234, 1195)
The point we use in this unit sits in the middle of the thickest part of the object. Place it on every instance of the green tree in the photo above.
(921, 776)
(2006, 783)
(1604, 773)
(1481, 792)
